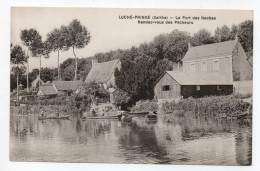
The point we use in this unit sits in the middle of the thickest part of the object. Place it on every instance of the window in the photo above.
(166, 88)
(215, 65)
(192, 67)
(204, 66)
(197, 88)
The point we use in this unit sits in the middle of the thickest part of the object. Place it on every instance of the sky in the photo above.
(108, 31)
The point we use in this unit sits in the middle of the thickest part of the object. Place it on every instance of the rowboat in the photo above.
(53, 117)
(151, 116)
(104, 117)
(137, 113)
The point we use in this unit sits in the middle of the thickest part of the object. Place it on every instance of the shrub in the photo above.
(212, 105)
(146, 105)
(242, 96)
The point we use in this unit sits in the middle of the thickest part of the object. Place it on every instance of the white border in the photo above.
(185, 4)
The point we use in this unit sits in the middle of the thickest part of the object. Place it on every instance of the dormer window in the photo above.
(204, 66)
(216, 65)
(192, 67)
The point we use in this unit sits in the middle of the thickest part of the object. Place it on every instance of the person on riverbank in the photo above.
(57, 113)
(93, 112)
(42, 113)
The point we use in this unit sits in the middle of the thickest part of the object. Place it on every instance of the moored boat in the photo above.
(137, 113)
(103, 117)
(151, 116)
(53, 117)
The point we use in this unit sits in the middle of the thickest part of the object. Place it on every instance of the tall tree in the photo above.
(41, 49)
(30, 38)
(57, 40)
(18, 58)
(77, 36)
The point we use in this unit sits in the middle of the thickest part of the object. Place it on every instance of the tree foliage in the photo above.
(18, 59)
(121, 98)
(245, 34)
(32, 39)
(222, 34)
(202, 37)
(57, 42)
(18, 55)
(77, 36)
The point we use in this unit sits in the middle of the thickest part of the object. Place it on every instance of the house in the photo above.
(103, 73)
(67, 87)
(207, 70)
(47, 90)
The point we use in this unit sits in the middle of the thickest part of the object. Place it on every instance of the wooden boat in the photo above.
(137, 113)
(53, 117)
(104, 117)
(151, 116)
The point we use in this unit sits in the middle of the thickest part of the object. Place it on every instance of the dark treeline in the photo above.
(143, 65)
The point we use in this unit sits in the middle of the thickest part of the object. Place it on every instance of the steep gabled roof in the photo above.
(66, 85)
(102, 72)
(35, 83)
(215, 49)
(48, 90)
(189, 78)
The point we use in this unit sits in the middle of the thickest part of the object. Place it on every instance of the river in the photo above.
(192, 141)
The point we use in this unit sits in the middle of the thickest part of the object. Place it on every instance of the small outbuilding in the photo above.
(175, 85)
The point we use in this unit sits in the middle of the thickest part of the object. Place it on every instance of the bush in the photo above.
(146, 105)
(212, 105)
(242, 96)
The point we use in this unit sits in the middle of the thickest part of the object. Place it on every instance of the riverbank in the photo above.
(37, 109)
(213, 106)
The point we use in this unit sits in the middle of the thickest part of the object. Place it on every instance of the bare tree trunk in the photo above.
(76, 64)
(27, 72)
(59, 65)
(40, 70)
(17, 82)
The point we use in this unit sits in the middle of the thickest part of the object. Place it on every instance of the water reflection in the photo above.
(185, 141)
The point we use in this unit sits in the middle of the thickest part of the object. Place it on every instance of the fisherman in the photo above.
(57, 113)
(93, 112)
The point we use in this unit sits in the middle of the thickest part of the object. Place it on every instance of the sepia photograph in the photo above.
(131, 86)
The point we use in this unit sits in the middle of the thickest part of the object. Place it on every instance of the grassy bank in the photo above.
(208, 106)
